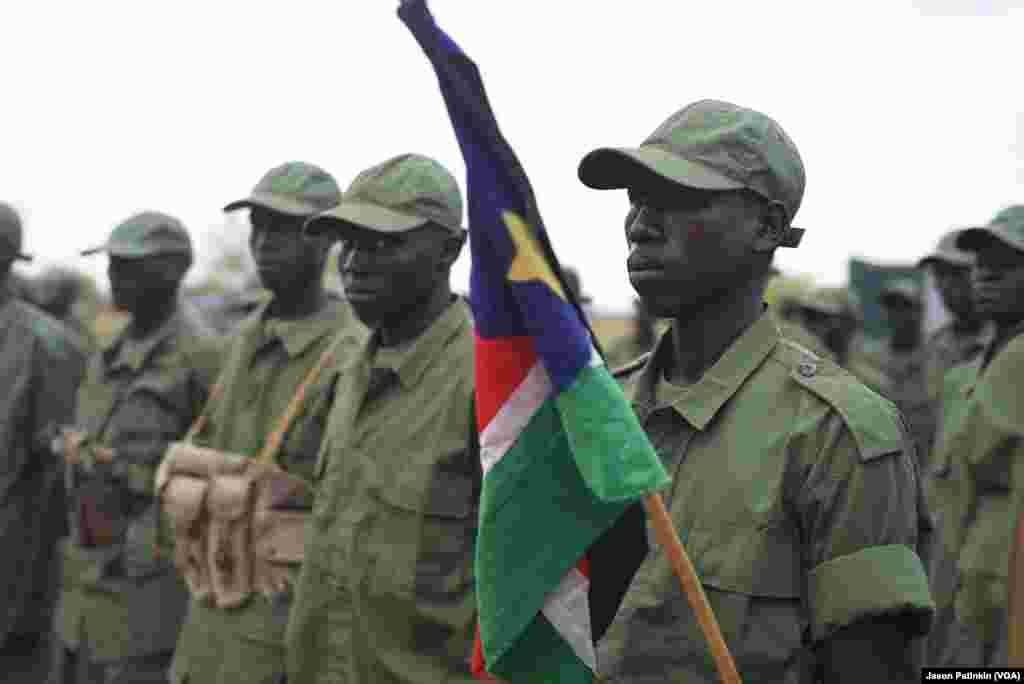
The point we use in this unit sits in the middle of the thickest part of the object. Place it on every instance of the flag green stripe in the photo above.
(542, 656)
(611, 450)
(537, 519)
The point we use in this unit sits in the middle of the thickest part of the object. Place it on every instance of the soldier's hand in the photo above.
(69, 444)
(103, 455)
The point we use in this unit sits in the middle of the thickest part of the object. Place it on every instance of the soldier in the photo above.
(121, 605)
(56, 292)
(386, 593)
(795, 489)
(41, 368)
(967, 334)
(901, 361)
(980, 444)
(233, 633)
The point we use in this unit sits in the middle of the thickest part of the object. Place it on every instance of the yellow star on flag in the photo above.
(529, 262)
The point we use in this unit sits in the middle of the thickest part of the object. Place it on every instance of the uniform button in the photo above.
(807, 369)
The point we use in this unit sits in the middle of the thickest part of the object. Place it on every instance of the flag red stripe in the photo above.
(501, 366)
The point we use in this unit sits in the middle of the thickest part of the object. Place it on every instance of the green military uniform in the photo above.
(795, 489)
(981, 448)
(41, 368)
(122, 603)
(386, 593)
(797, 498)
(266, 363)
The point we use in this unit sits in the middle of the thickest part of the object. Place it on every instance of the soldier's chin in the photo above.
(661, 304)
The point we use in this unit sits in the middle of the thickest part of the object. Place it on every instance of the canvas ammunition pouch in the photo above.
(230, 558)
(184, 501)
(239, 522)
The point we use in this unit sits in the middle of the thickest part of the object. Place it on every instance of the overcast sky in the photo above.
(909, 115)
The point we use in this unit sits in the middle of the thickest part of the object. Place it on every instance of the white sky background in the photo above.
(909, 115)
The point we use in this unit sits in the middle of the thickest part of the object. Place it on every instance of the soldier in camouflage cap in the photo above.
(983, 421)
(958, 342)
(794, 485)
(121, 604)
(272, 353)
(41, 367)
(386, 592)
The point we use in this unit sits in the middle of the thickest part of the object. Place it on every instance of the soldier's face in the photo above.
(688, 248)
(136, 283)
(387, 276)
(998, 279)
(954, 285)
(284, 258)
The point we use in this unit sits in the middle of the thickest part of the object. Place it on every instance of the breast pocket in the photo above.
(421, 533)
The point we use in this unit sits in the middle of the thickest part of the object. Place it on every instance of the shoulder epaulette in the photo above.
(874, 421)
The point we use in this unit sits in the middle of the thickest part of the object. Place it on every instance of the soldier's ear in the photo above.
(451, 247)
(773, 229)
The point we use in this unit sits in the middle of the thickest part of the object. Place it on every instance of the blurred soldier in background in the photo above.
(56, 292)
(981, 446)
(41, 368)
(967, 334)
(637, 341)
(122, 605)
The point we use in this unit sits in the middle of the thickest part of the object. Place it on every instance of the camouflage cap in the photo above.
(710, 145)
(947, 252)
(11, 234)
(294, 188)
(907, 289)
(395, 196)
(1007, 227)
(146, 234)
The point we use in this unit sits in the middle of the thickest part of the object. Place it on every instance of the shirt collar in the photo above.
(126, 353)
(299, 335)
(700, 402)
(411, 360)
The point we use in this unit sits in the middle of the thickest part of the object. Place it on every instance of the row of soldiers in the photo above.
(298, 501)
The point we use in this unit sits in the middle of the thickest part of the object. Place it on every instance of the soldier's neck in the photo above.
(700, 339)
(968, 324)
(413, 324)
(904, 342)
(156, 314)
(299, 302)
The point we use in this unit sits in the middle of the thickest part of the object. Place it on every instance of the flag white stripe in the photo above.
(514, 415)
(568, 610)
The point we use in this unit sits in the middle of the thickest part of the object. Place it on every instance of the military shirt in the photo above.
(982, 447)
(265, 365)
(797, 498)
(386, 593)
(123, 599)
(41, 370)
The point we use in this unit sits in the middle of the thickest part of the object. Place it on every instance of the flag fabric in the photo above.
(565, 460)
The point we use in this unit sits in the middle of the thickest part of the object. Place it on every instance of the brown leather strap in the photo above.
(268, 455)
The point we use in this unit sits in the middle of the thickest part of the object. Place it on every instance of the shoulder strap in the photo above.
(268, 454)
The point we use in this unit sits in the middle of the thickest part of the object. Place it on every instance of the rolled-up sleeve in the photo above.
(862, 519)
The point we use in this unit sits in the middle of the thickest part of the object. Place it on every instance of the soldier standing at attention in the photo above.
(981, 441)
(795, 491)
(121, 605)
(235, 633)
(41, 368)
(386, 594)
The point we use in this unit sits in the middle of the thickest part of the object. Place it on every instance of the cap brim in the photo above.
(285, 205)
(362, 215)
(124, 253)
(973, 239)
(610, 168)
(945, 257)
